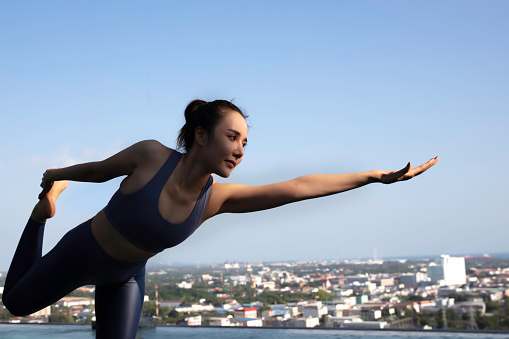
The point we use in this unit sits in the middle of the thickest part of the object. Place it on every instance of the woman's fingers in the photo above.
(45, 184)
(407, 172)
(424, 167)
(45, 189)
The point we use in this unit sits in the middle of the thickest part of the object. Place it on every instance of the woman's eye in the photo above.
(232, 137)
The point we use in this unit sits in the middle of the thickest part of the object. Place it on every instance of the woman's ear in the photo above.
(200, 136)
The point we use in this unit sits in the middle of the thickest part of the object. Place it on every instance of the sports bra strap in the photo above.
(156, 184)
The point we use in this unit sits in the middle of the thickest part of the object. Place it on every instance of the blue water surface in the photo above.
(27, 331)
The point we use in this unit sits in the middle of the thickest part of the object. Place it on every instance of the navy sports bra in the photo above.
(137, 218)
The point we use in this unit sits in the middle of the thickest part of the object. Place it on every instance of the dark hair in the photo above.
(204, 114)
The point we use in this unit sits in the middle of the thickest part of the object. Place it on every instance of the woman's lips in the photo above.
(231, 163)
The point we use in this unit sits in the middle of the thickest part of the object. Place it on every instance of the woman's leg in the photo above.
(29, 250)
(51, 277)
(118, 308)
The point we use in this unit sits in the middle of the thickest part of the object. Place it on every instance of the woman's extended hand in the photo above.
(47, 182)
(389, 177)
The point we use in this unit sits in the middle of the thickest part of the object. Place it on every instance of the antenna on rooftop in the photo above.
(157, 301)
(472, 325)
(444, 318)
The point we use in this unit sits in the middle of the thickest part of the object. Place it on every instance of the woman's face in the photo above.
(224, 149)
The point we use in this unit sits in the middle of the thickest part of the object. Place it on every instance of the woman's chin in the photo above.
(224, 174)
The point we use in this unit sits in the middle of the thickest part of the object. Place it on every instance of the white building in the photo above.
(248, 322)
(365, 324)
(186, 285)
(219, 321)
(195, 308)
(193, 321)
(45, 312)
(307, 322)
(75, 301)
(448, 270)
(339, 321)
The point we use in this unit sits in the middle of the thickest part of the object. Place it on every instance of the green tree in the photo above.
(149, 308)
(488, 323)
(493, 306)
(323, 295)
(4, 315)
(58, 318)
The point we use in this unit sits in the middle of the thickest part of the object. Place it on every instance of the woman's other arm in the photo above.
(122, 163)
(240, 198)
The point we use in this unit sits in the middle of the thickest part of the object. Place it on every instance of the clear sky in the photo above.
(330, 87)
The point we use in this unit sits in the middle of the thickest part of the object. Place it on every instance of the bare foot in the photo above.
(45, 208)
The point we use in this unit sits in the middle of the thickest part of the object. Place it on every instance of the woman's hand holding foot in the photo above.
(45, 208)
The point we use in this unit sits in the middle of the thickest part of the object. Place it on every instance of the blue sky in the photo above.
(330, 87)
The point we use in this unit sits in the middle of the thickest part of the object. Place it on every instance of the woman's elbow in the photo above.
(297, 189)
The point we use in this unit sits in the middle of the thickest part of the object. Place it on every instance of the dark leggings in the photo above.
(35, 281)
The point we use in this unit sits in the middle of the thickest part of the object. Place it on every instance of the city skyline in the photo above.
(331, 87)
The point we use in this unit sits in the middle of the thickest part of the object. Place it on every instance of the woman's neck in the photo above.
(191, 173)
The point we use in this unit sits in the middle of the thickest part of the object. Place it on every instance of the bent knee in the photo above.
(16, 307)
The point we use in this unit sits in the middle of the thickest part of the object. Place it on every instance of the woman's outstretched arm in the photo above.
(122, 163)
(240, 198)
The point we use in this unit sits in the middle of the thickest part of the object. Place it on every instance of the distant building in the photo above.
(357, 278)
(448, 270)
(361, 299)
(246, 313)
(193, 321)
(185, 285)
(196, 308)
(206, 277)
(474, 305)
(365, 324)
(307, 322)
(384, 282)
(411, 279)
(171, 304)
(249, 322)
(75, 301)
(267, 284)
(315, 311)
(371, 314)
(339, 321)
(45, 312)
(218, 321)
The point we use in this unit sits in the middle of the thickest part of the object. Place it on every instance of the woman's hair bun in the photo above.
(193, 105)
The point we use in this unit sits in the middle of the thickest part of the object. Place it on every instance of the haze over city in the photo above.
(330, 87)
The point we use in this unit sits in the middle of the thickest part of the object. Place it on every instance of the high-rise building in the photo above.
(448, 270)
(412, 279)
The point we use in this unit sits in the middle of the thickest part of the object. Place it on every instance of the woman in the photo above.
(164, 198)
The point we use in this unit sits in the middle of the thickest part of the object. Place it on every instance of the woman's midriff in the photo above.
(114, 244)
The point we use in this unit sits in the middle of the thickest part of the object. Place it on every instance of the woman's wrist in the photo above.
(51, 174)
(374, 176)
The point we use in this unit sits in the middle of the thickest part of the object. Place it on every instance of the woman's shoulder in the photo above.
(153, 150)
(152, 145)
